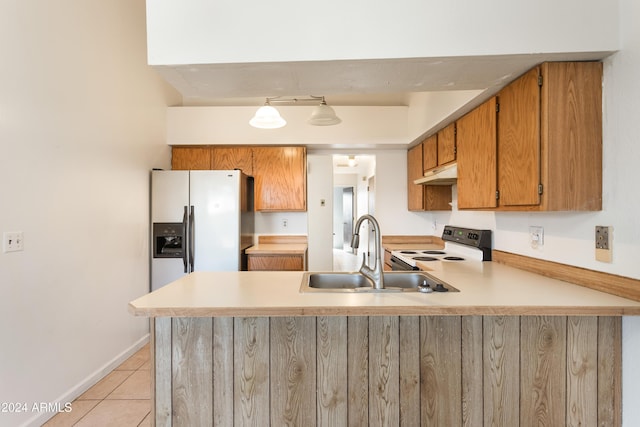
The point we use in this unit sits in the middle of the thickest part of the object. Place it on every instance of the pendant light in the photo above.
(323, 115)
(267, 117)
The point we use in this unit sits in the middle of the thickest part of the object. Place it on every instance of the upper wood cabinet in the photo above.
(519, 141)
(572, 136)
(280, 173)
(226, 158)
(420, 197)
(550, 139)
(280, 178)
(447, 146)
(190, 158)
(415, 193)
(542, 150)
(439, 148)
(429, 153)
(477, 157)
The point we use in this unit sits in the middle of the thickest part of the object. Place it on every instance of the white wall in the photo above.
(320, 211)
(274, 223)
(391, 197)
(82, 121)
(197, 31)
(386, 125)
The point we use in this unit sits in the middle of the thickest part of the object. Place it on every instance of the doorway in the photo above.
(351, 199)
(347, 218)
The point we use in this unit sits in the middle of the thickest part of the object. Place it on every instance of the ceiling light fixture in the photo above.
(323, 115)
(267, 117)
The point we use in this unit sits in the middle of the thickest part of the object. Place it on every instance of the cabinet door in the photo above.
(572, 138)
(280, 178)
(415, 193)
(225, 158)
(430, 153)
(438, 197)
(190, 158)
(421, 197)
(519, 141)
(447, 144)
(477, 157)
(275, 263)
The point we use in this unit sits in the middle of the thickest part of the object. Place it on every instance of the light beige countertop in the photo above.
(486, 288)
(277, 249)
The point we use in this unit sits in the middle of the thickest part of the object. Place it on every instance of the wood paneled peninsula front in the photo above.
(511, 348)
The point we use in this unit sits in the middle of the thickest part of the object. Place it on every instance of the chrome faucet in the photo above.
(375, 275)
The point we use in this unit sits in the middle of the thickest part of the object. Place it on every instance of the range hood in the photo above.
(444, 175)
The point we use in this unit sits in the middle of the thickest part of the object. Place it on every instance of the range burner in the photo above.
(460, 245)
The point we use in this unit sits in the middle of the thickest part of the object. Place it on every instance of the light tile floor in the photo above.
(121, 399)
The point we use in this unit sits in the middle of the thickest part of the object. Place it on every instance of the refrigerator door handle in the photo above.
(192, 235)
(184, 239)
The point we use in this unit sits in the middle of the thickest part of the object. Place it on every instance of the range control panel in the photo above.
(480, 239)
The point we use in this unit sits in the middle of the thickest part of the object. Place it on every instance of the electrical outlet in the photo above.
(604, 249)
(285, 223)
(536, 237)
(12, 241)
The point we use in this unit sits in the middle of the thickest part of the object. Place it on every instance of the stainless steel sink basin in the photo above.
(356, 282)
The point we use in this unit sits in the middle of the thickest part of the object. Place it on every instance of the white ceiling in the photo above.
(384, 82)
(361, 82)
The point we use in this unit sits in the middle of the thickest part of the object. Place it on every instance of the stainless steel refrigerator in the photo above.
(200, 221)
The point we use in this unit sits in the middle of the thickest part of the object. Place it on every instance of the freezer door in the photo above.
(215, 197)
(169, 196)
(165, 271)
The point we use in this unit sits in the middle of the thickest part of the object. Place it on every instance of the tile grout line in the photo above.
(132, 371)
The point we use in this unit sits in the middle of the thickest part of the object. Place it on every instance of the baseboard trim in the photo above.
(88, 382)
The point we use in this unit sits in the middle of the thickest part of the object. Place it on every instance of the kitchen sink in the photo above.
(356, 282)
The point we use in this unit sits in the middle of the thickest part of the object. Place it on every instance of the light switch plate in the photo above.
(12, 241)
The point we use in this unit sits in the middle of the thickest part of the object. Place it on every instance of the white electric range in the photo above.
(461, 245)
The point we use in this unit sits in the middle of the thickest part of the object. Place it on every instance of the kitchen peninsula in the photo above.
(233, 348)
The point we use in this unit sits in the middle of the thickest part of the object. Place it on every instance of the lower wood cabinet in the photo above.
(388, 371)
(276, 262)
